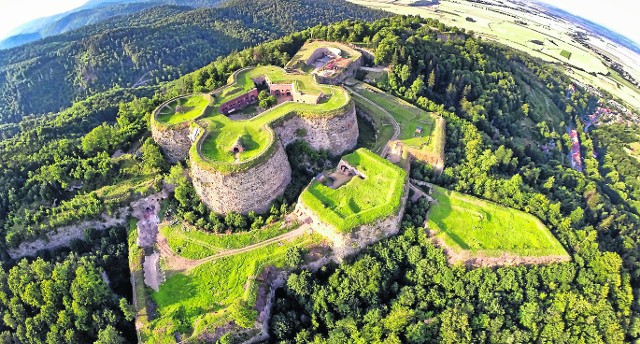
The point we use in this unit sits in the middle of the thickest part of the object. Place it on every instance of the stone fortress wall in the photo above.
(176, 140)
(346, 244)
(256, 188)
(342, 75)
(335, 134)
(239, 102)
(323, 51)
(244, 191)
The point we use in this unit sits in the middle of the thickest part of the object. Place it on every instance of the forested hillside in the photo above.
(93, 12)
(155, 45)
(61, 168)
(402, 290)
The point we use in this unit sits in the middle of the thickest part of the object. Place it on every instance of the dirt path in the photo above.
(176, 263)
(396, 126)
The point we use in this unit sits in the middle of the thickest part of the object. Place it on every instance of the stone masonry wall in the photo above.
(360, 237)
(175, 142)
(336, 134)
(254, 189)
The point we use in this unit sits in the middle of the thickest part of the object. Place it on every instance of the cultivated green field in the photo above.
(360, 201)
(466, 223)
(190, 303)
(299, 59)
(195, 244)
(192, 107)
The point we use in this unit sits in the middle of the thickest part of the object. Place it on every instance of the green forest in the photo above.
(59, 168)
(147, 48)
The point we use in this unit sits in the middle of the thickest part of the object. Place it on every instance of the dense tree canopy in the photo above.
(54, 170)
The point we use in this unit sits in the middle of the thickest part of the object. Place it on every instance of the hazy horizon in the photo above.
(616, 15)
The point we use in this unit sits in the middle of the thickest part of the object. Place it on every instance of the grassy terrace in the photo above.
(466, 223)
(214, 147)
(196, 244)
(192, 107)
(192, 302)
(299, 59)
(360, 201)
(408, 117)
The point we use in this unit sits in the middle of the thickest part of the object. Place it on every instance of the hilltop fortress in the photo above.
(240, 164)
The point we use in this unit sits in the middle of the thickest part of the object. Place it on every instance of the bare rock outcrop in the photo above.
(174, 141)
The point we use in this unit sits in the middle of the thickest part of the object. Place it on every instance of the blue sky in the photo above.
(619, 15)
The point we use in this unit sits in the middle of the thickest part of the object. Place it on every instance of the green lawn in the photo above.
(466, 223)
(380, 121)
(565, 54)
(360, 201)
(196, 244)
(255, 133)
(192, 107)
(204, 294)
(409, 118)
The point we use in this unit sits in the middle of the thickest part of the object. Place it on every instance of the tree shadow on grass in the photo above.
(444, 210)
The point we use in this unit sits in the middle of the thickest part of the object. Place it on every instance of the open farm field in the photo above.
(466, 223)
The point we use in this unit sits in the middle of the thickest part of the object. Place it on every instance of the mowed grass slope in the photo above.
(466, 223)
(192, 107)
(360, 201)
(409, 118)
(381, 122)
(195, 244)
(205, 293)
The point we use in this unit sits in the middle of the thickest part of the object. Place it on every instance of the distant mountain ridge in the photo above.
(93, 12)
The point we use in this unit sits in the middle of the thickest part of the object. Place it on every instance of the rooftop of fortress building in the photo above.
(221, 133)
(374, 191)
